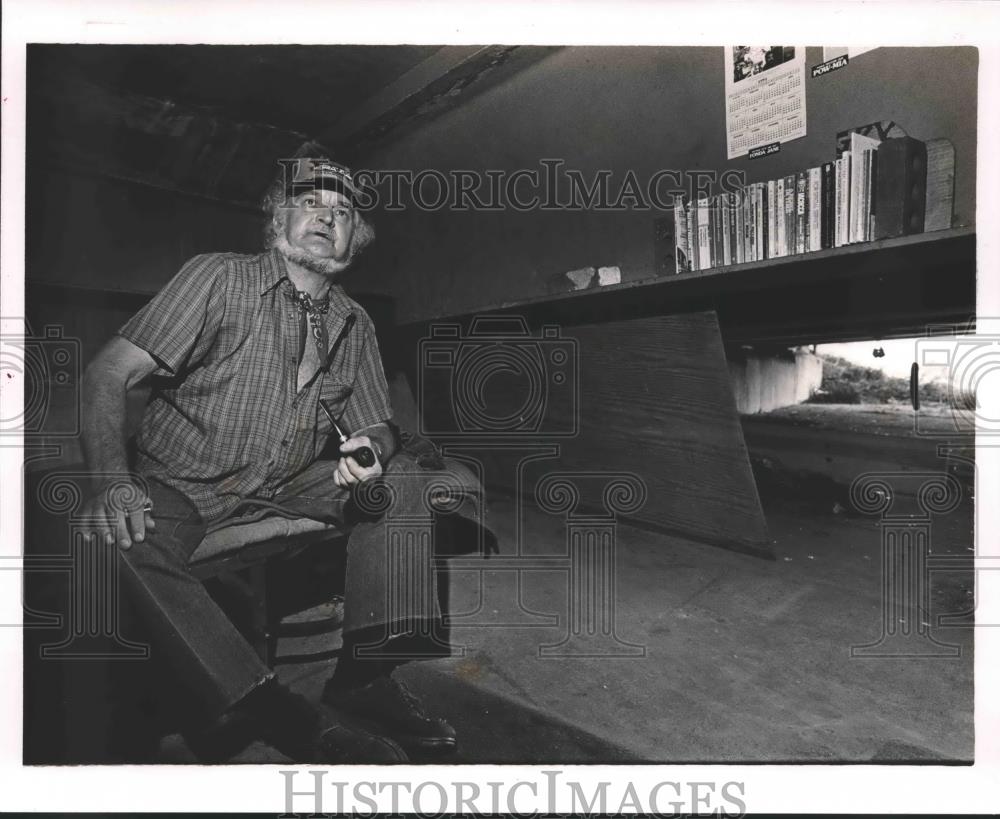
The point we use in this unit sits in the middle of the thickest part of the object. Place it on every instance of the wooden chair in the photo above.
(241, 556)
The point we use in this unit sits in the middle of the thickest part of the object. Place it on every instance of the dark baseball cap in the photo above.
(313, 173)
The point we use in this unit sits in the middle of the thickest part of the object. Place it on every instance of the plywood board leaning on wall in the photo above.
(654, 401)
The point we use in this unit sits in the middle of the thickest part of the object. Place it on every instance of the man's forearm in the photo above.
(104, 422)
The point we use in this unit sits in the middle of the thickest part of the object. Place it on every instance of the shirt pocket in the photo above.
(334, 395)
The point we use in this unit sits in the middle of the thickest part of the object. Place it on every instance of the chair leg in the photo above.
(272, 625)
(261, 633)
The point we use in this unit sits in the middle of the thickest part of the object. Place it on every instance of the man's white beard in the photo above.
(324, 267)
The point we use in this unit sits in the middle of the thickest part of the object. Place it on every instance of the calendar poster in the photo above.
(765, 96)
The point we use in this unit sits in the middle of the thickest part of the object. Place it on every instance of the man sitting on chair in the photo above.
(242, 351)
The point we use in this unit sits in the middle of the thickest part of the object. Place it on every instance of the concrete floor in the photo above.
(743, 659)
(746, 660)
(740, 659)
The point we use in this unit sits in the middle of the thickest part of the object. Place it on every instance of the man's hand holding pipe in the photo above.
(349, 471)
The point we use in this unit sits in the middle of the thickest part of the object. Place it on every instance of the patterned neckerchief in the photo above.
(313, 311)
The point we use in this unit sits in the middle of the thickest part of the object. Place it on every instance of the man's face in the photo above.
(321, 224)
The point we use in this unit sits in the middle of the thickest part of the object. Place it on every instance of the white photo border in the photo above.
(768, 788)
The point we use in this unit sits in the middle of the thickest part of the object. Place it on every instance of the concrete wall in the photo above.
(766, 382)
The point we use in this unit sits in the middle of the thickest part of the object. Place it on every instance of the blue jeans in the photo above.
(391, 585)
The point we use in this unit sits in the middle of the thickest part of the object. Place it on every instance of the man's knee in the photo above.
(178, 530)
(160, 550)
(405, 489)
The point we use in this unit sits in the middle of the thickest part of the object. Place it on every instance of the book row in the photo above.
(835, 204)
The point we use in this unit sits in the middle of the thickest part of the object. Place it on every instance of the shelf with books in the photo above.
(903, 279)
(862, 259)
(874, 189)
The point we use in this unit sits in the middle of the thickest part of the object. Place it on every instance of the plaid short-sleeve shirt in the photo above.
(226, 420)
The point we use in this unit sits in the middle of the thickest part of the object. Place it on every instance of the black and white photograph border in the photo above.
(568, 602)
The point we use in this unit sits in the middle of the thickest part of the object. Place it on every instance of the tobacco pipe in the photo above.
(364, 455)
